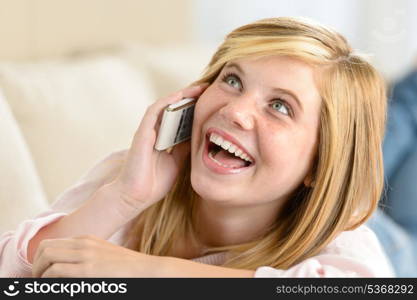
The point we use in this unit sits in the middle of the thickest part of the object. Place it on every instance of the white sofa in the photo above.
(58, 117)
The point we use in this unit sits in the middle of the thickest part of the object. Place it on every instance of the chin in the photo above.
(211, 191)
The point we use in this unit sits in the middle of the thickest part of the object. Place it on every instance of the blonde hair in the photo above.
(348, 170)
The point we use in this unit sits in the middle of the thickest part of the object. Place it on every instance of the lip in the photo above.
(210, 164)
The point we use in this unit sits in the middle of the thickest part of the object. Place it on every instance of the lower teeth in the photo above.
(211, 155)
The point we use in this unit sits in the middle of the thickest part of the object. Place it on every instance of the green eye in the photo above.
(232, 80)
(281, 107)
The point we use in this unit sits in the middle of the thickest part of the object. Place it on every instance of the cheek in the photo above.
(206, 106)
(279, 150)
(203, 110)
(287, 152)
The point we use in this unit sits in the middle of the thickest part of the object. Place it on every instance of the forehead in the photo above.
(281, 72)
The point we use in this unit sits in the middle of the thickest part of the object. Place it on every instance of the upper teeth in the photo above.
(229, 146)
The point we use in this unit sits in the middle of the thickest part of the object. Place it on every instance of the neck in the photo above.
(220, 225)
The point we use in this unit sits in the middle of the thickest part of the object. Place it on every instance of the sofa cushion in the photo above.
(74, 111)
(21, 194)
(170, 67)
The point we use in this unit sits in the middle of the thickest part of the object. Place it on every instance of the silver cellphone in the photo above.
(176, 124)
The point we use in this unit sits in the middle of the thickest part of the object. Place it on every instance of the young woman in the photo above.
(283, 168)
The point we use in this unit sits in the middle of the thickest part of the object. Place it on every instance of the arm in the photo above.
(102, 215)
(355, 253)
(14, 244)
(178, 267)
(114, 204)
(89, 256)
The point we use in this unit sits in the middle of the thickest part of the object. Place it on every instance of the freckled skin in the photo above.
(283, 146)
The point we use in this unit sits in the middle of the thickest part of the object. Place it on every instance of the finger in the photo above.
(188, 92)
(172, 163)
(194, 90)
(155, 111)
(87, 237)
(61, 270)
(157, 107)
(56, 243)
(51, 256)
(144, 139)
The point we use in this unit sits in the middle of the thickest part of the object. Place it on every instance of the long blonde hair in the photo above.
(347, 172)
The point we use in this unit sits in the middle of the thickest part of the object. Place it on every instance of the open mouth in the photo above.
(223, 156)
(226, 159)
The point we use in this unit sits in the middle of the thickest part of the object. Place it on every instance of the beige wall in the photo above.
(31, 29)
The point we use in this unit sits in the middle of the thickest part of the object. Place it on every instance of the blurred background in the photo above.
(76, 77)
(31, 29)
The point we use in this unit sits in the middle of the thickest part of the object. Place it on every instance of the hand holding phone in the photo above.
(147, 174)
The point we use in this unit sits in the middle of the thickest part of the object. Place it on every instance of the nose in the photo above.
(240, 112)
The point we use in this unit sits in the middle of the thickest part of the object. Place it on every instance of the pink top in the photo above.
(355, 253)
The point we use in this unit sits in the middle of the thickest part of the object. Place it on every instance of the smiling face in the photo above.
(268, 108)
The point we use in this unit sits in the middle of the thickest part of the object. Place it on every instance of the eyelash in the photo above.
(227, 75)
(231, 74)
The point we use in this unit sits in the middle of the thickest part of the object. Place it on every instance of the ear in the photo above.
(309, 181)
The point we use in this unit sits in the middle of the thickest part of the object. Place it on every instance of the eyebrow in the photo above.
(289, 92)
